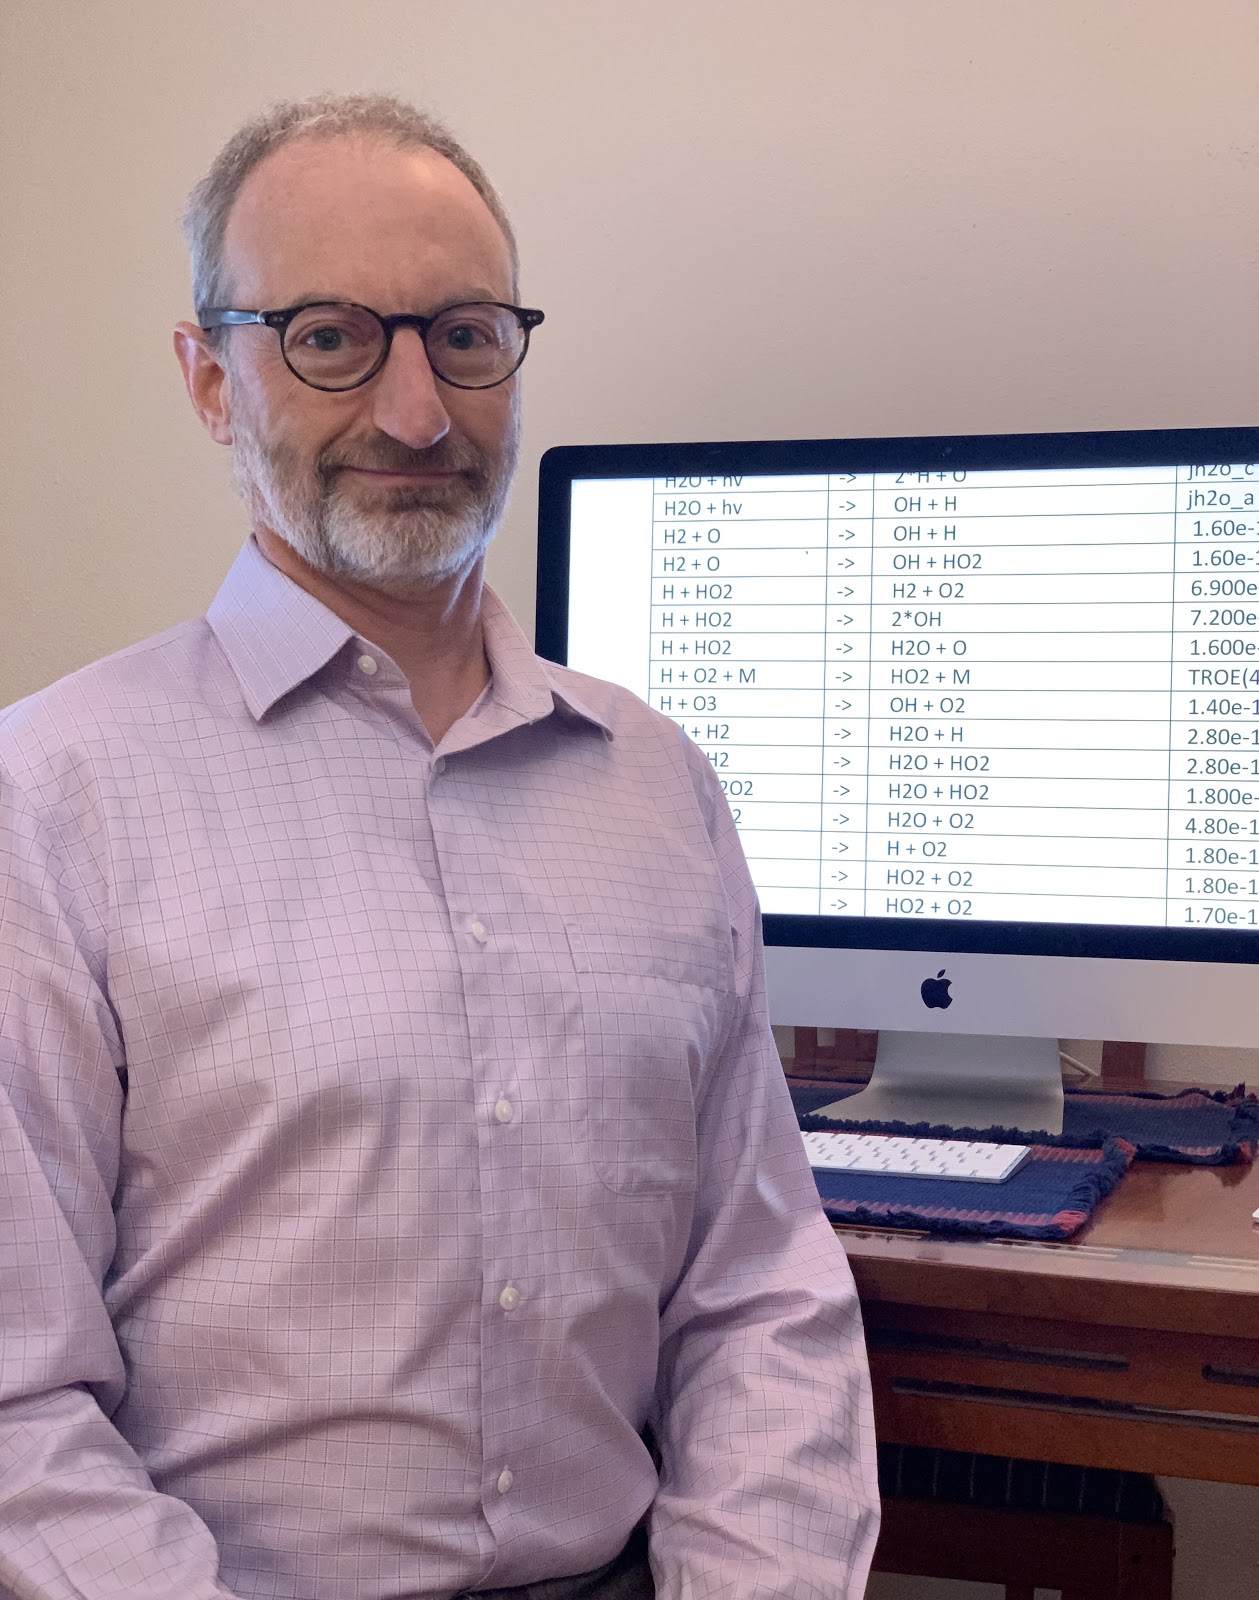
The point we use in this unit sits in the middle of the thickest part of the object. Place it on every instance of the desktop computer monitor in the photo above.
(986, 712)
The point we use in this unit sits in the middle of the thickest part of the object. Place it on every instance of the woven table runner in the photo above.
(1197, 1127)
(1051, 1196)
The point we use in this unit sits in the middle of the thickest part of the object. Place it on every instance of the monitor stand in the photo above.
(960, 1080)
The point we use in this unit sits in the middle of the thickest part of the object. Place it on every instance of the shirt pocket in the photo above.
(654, 1006)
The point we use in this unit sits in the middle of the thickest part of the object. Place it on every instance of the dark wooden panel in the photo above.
(1042, 1433)
(1131, 1365)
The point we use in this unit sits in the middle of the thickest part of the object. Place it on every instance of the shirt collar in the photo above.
(273, 633)
(522, 681)
(275, 636)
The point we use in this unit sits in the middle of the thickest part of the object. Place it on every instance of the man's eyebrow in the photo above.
(319, 300)
(464, 297)
(472, 296)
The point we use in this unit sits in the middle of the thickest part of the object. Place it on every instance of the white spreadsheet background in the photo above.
(1028, 695)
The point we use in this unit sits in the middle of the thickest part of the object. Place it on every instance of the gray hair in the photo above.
(323, 116)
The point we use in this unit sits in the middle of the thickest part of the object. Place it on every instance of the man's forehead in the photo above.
(327, 207)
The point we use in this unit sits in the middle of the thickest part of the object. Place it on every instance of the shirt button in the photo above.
(367, 664)
(505, 1480)
(510, 1298)
(504, 1110)
(439, 766)
(478, 930)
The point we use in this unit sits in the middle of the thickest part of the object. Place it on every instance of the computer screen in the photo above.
(988, 695)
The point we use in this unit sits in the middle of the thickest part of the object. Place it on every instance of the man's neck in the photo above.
(435, 635)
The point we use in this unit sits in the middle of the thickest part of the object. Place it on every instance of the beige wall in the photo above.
(811, 217)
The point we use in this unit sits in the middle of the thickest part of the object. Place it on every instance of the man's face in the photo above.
(399, 483)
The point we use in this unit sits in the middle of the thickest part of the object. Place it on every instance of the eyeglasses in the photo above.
(336, 345)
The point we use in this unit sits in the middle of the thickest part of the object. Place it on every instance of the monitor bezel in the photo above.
(563, 464)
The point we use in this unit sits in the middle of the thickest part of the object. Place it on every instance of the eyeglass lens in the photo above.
(337, 346)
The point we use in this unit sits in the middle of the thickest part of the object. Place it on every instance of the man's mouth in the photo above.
(402, 477)
(404, 472)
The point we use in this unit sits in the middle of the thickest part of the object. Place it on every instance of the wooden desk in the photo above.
(1135, 1346)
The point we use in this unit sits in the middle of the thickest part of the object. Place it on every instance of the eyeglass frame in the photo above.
(214, 317)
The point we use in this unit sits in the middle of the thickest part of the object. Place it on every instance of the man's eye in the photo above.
(468, 336)
(322, 331)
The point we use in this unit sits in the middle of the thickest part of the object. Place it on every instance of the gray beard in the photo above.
(406, 542)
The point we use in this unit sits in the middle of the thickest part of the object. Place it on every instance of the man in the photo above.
(392, 1147)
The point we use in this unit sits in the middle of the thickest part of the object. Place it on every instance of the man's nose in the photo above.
(406, 403)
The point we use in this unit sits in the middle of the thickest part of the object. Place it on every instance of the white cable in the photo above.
(1080, 1066)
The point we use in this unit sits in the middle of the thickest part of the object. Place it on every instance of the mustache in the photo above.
(385, 454)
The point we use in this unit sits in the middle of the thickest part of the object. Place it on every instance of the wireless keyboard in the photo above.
(913, 1158)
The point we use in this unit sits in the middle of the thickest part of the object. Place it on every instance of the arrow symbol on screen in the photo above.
(843, 705)
(850, 533)
(843, 649)
(845, 594)
(844, 477)
(845, 733)
(849, 562)
(849, 505)
(841, 791)
(843, 622)
(840, 877)
(845, 677)
(840, 849)
(841, 761)
(839, 821)
(841, 905)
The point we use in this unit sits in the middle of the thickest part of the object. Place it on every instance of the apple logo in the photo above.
(935, 991)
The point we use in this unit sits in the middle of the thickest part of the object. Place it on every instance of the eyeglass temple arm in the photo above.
(215, 317)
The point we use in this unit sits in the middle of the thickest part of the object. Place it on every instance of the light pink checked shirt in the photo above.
(453, 1148)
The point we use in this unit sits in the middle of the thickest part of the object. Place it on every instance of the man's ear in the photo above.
(206, 380)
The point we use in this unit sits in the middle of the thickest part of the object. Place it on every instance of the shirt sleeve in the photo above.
(80, 1519)
(763, 1413)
